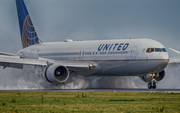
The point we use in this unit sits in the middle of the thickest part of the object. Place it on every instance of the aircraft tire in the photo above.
(154, 86)
(149, 85)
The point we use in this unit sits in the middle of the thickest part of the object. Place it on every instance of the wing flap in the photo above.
(12, 65)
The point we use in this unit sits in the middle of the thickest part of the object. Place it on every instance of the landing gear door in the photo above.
(134, 52)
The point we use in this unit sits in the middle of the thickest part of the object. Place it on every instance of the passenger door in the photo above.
(134, 52)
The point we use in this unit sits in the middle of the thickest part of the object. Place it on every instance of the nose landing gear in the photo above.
(152, 84)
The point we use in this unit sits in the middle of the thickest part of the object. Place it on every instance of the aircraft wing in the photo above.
(17, 62)
(8, 54)
(174, 60)
(174, 50)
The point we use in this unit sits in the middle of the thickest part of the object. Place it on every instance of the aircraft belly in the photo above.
(129, 68)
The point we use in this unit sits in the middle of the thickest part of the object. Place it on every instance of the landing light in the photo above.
(90, 65)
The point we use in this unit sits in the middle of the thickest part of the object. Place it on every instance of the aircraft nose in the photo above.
(163, 60)
(163, 56)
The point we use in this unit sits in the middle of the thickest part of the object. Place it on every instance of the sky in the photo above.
(57, 20)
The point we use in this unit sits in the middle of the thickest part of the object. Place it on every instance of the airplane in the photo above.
(145, 58)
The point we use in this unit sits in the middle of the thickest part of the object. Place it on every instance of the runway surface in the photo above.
(100, 90)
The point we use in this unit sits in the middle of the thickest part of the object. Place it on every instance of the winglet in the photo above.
(27, 30)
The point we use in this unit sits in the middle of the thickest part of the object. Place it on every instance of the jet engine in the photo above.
(56, 73)
(158, 77)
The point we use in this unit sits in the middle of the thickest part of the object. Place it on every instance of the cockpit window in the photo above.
(152, 50)
(164, 50)
(158, 50)
(149, 50)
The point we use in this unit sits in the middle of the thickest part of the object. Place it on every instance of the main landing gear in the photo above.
(152, 84)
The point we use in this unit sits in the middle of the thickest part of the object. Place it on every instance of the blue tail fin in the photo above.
(27, 30)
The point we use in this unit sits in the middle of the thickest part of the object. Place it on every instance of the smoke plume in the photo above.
(29, 79)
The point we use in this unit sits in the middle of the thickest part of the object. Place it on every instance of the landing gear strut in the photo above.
(152, 84)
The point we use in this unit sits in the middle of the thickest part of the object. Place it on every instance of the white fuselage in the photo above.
(122, 57)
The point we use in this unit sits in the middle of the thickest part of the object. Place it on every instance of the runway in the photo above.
(101, 90)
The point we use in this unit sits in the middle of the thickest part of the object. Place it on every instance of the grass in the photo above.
(90, 102)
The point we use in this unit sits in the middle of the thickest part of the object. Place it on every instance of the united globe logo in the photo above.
(29, 35)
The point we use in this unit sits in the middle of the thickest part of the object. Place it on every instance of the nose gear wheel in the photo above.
(152, 84)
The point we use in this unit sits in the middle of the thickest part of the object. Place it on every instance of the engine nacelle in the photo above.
(56, 73)
(158, 77)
